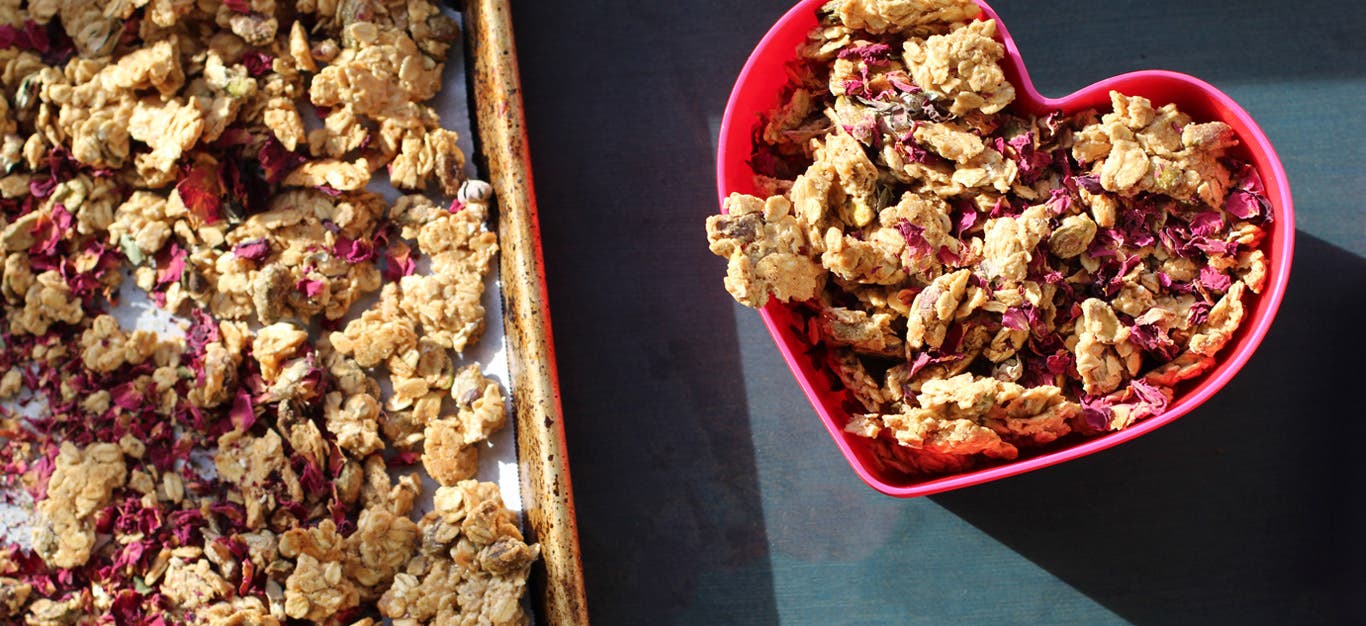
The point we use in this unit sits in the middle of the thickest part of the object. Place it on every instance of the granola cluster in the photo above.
(978, 280)
(259, 467)
(472, 565)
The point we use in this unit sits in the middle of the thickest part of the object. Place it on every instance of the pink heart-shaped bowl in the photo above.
(757, 91)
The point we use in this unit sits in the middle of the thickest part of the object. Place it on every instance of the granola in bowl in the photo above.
(258, 462)
(982, 282)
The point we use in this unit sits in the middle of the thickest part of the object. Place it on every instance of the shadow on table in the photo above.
(1242, 502)
(1247, 510)
(670, 517)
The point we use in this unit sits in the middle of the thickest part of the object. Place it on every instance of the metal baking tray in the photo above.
(503, 159)
(492, 90)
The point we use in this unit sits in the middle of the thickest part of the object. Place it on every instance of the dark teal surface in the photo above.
(708, 492)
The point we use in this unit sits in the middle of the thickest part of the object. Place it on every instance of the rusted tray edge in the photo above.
(548, 500)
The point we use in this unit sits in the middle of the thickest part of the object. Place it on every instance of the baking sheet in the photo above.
(528, 459)
(498, 461)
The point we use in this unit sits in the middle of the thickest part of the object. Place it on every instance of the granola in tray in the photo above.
(256, 464)
(981, 281)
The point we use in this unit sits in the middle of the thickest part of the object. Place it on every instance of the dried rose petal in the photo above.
(1214, 279)
(127, 396)
(203, 331)
(398, 264)
(1247, 200)
(965, 216)
(55, 228)
(30, 36)
(200, 191)
(257, 63)
(872, 54)
(1206, 224)
(1060, 363)
(1014, 319)
(1059, 201)
(254, 250)
(310, 287)
(1215, 247)
(902, 83)
(1089, 182)
(352, 250)
(1153, 339)
(1096, 411)
(170, 264)
(276, 161)
(1198, 313)
(915, 238)
(1149, 395)
(42, 187)
(243, 414)
(183, 524)
(1006, 208)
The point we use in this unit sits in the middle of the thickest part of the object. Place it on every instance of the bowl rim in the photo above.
(1280, 237)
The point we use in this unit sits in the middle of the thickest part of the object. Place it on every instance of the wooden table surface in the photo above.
(708, 492)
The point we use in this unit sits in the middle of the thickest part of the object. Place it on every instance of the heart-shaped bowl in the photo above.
(758, 89)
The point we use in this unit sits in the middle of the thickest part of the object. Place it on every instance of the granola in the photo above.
(768, 251)
(977, 281)
(243, 468)
(471, 565)
(81, 484)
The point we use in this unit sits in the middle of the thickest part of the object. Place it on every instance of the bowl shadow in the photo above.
(1247, 510)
